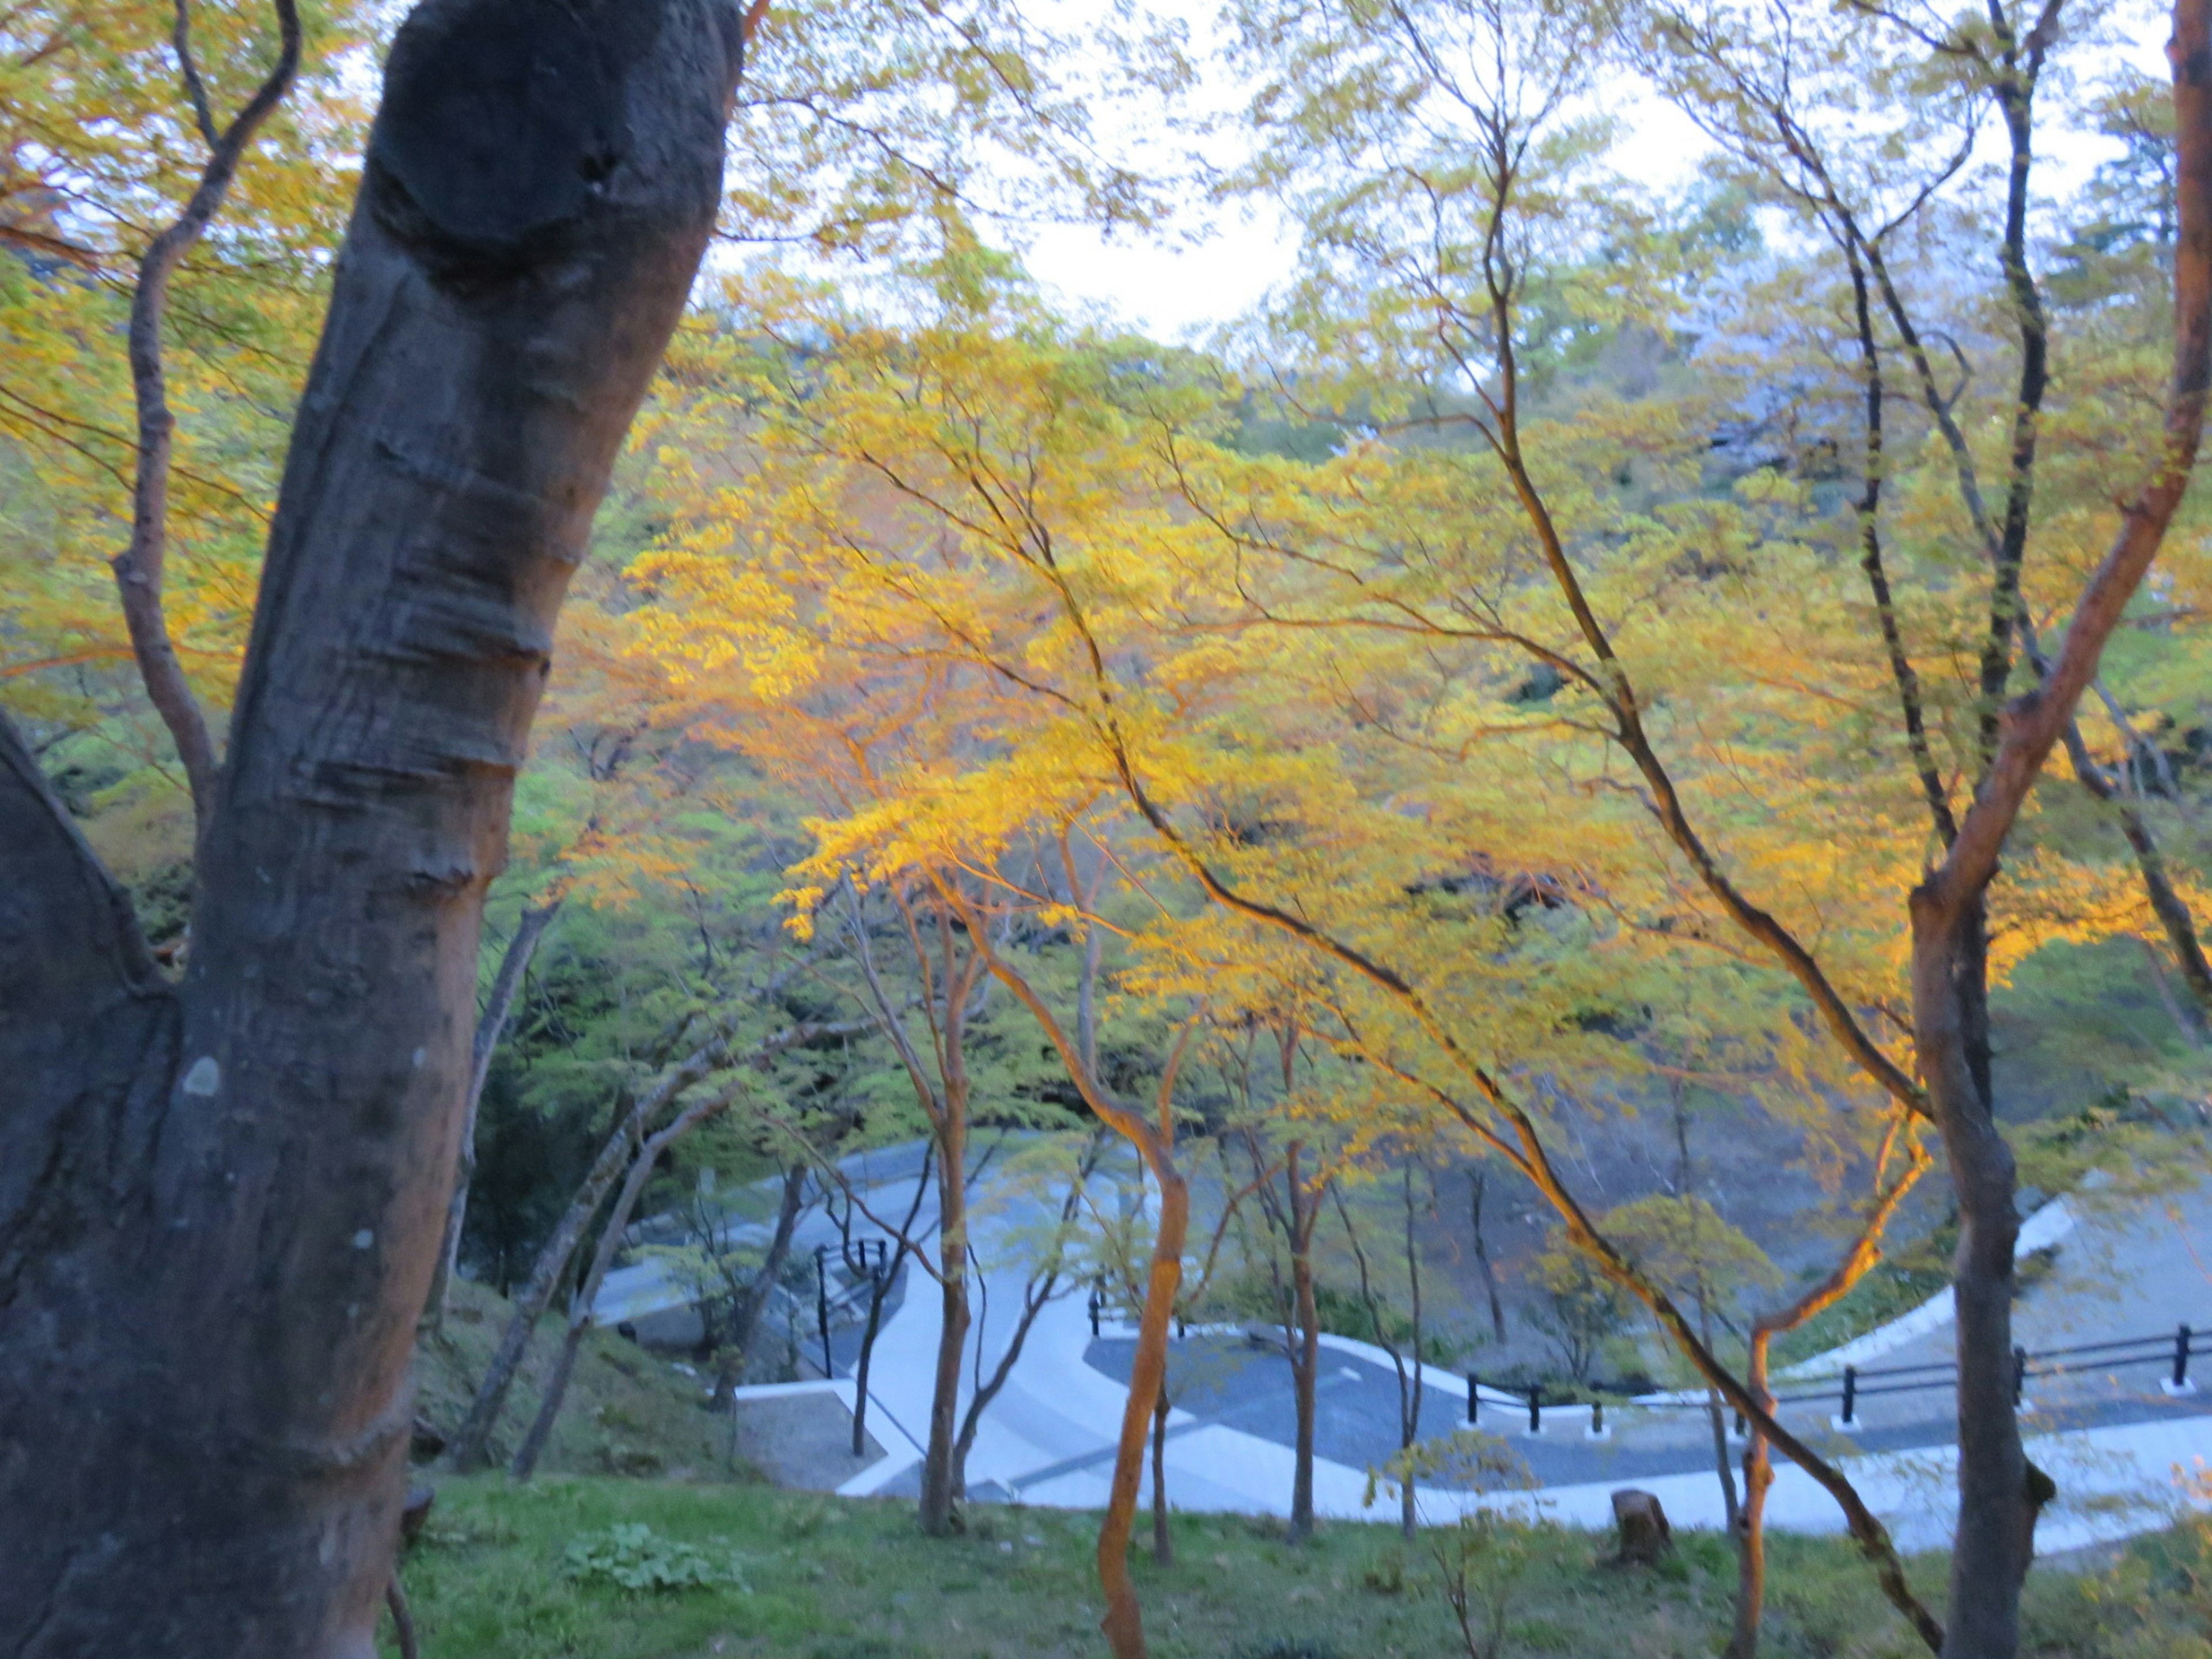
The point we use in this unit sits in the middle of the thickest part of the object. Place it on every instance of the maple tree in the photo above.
(1579, 648)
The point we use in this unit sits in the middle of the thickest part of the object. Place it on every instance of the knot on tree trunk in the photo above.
(500, 147)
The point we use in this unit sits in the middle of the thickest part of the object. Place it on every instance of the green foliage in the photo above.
(1580, 1312)
(631, 1556)
(486, 1582)
(1467, 1460)
(1690, 1251)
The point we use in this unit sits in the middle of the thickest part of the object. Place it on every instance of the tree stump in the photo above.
(1644, 1534)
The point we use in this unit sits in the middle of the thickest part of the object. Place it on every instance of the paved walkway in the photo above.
(2126, 1457)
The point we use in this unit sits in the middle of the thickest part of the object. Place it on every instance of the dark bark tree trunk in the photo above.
(1305, 1345)
(471, 1445)
(489, 1028)
(876, 1291)
(221, 1201)
(1411, 1382)
(1991, 1549)
(1413, 1387)
(586, 1294)
(745, 1314)
(939, 1510)
(1479, 1181)
(525, 1463)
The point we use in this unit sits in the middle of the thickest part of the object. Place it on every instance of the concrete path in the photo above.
(2126, 1457)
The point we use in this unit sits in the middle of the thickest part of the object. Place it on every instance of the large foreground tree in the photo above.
(221, 1198)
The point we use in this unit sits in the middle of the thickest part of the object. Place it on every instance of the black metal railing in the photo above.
(2172, 1349)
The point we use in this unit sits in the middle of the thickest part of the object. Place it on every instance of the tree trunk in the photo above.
(1306, 1354)
(938, 1510)
(512, 967)
(1124, 1623)
(471, 1445)
(1750, 1519)
(1035, 1296)
(550, 1402)
(586, 1295)
(1990, 1552)
(876, 1291)
(1717, 1420)
(744, 1317)
(1162, 1540)
(1479, 1180)
(1410, 1389)
(221, 1200)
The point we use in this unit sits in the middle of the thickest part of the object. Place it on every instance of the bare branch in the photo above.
(138, 568)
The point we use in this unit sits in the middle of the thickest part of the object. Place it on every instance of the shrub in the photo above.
(631, 1556)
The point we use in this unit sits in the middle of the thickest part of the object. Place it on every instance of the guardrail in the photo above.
(2172, 1350)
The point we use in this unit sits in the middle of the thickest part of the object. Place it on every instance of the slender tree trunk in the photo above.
(1306, 1352)
(549, 1403)
(1411, 1391)
(489, 1028)
(744, 1317)
(586, 1295)
(138, 568)
(2167, 904)
(876, 1290)
(471, 1445)
(468, 1449)
(1860, 1259)
(1751, 1520)
(1162, 1540)
(1717, 1420)
(1478, 1180)
(1035, 1296)
(221, 1200)
(403, 1620)
(1124, 1623)
(938, 1510)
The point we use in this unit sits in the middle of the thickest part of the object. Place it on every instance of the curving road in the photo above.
(2126, 1454)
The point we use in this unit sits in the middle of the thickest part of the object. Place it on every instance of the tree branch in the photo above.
(138, 568)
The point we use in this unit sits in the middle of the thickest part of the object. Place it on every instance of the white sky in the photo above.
(1222, 261)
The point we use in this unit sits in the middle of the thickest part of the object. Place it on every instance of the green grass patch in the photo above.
(753, 1571)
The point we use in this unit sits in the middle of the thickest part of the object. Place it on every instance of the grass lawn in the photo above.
(817, 1577)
